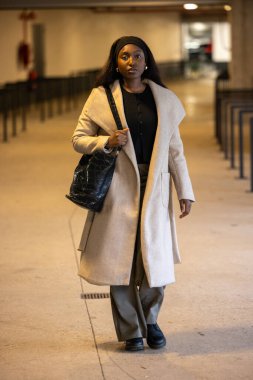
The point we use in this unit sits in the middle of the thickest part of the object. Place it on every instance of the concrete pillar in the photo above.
(241, 68)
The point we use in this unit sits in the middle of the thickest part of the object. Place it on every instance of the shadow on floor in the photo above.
(202, 342)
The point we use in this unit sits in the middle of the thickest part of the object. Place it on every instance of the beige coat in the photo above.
(108, 239)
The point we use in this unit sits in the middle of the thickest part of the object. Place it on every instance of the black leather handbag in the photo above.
(93, 175)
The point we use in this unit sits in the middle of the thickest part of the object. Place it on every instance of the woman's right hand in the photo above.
(119, 138)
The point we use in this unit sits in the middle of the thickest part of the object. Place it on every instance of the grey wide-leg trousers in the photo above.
(136, 305)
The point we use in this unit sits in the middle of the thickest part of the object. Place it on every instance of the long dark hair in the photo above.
(108, 74)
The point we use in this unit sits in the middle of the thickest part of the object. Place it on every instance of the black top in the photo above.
(141, 117)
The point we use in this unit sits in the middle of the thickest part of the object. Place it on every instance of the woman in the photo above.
(131, 244)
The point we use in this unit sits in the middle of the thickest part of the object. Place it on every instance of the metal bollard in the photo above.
(232, 140)
(251, 154)
(14, 122)
(241, 146)
(5, 128)
(23, 115)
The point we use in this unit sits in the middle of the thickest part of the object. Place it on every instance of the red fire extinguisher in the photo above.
(24, 50)
(23, 54)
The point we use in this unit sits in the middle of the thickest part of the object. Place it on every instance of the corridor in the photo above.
(49, 332)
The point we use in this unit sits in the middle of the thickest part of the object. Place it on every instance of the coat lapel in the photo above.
(128, 149)
(162, 134)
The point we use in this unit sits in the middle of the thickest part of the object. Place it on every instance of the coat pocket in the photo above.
(165, 189)
(86, 230)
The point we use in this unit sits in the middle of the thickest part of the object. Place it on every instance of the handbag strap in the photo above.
(113, 107)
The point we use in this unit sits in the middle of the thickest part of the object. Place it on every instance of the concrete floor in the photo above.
(48, 332)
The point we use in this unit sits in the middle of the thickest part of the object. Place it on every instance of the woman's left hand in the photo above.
(185, 207)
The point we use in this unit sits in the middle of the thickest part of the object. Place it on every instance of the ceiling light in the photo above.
(199, 26)
(190, 6)
(227, 8)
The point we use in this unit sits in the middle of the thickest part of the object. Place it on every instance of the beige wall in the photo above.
(10, 37)
(80, 39)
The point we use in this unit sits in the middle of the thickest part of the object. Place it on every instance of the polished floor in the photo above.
(49, 333)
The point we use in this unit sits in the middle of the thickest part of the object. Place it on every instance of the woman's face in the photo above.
(131, 62)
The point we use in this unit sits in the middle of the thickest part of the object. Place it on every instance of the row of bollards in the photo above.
(231, 107)
(50, 96)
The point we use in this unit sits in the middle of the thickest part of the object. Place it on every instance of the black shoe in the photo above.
(135, 344)
(155, 338)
